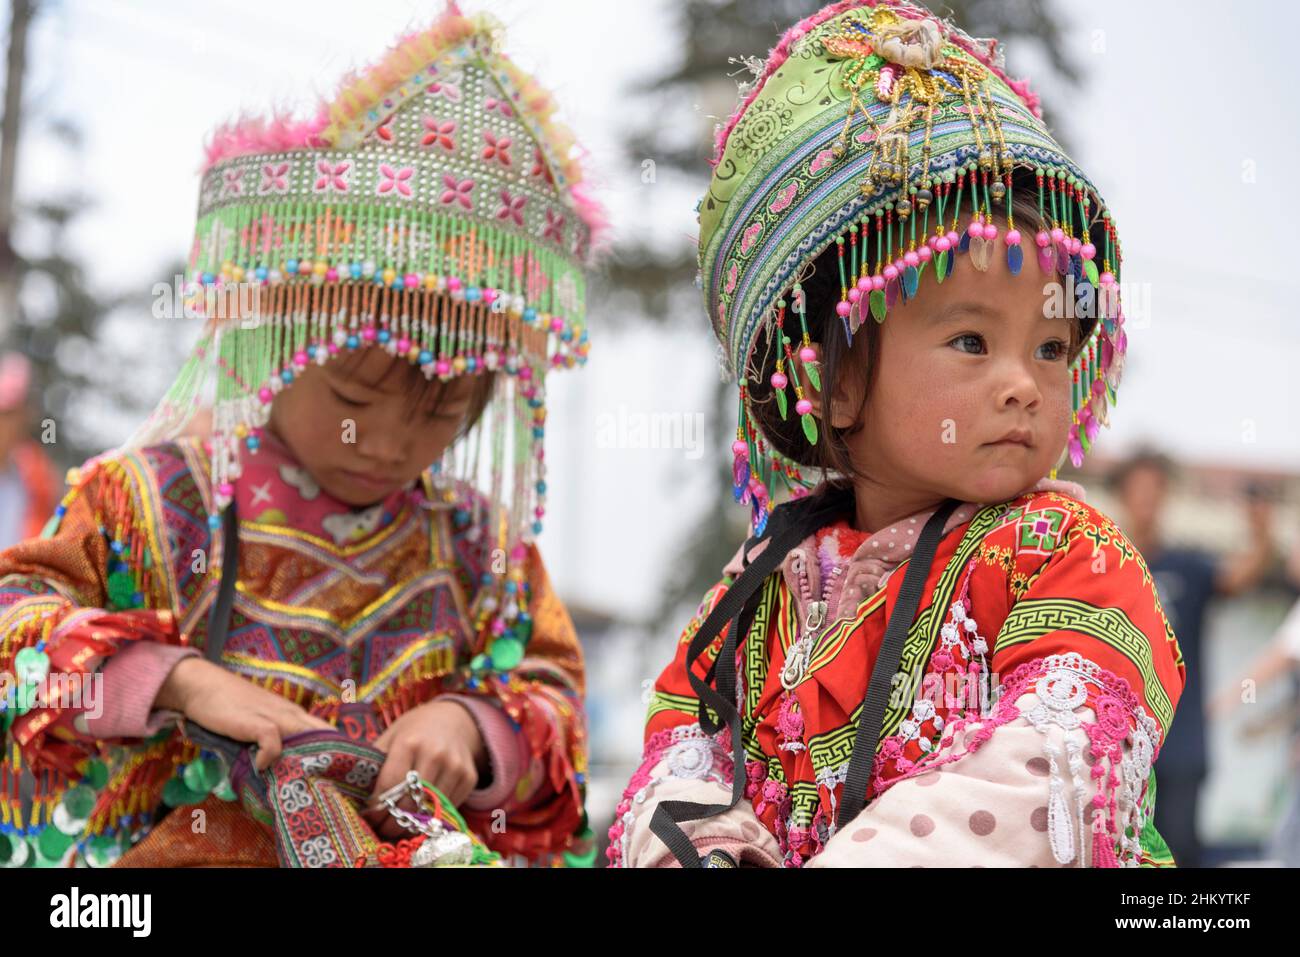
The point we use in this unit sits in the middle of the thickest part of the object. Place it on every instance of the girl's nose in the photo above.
(1019, 387)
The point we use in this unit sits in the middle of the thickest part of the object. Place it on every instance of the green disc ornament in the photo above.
(31, 666)
(507, 652)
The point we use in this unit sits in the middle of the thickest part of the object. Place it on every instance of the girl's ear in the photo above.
(843, 403)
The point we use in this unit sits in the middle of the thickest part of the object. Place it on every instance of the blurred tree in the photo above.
(680, 110)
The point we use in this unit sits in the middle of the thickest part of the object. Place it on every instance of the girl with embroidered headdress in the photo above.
(937, 654)
(315, 574)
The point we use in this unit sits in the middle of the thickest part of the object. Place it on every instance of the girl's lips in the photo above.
(369, 481)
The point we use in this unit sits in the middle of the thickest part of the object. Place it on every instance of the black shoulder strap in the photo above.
(863, 758)
(790, 524)
(219, 617)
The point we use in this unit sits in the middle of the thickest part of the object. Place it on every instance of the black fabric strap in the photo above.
(219, 617)
(789, 525)
(862, 761)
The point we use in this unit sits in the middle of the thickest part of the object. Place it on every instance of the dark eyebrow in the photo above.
(956, 308)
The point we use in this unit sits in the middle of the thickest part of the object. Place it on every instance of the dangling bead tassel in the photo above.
(807, 354)
(740, 453)
(879, 305)
(802, 406)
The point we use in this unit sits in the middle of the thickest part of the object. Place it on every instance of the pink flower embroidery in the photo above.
(398, 180)
(232, 182)
(512, 208)
(554, 228)
(539, 166)
(498, 149)
(501, 106)
(274, 178)
(456, 192)
(333, 176)
(447, 87)
(440, 134)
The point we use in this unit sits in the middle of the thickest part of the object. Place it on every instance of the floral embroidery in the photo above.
(333, 176)
(554, 228)
(275, 179)
(497, 148)
(456, 191)
(439, 133)
(232, 182)
(391, 180)
(448, 87)
(512, 208)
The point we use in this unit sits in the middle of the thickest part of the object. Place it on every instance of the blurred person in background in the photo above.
(29, 484)
(1187, 580)
(1280, 658)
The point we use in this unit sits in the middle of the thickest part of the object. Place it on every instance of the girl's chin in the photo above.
(1000, 484)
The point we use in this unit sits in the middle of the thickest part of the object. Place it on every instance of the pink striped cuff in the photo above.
(505, 748)
(131, 679)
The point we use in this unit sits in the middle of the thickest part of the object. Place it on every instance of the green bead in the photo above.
(80, 801)
(121, 589)
(53, 844)
(202, 775)
(31, 666)
(478, 662)
(175, 794)
(96, 774)
(507, 652)
(224, 791)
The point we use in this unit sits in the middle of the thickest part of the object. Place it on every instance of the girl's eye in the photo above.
(346, 401)
(1055, 350)
(968, 342)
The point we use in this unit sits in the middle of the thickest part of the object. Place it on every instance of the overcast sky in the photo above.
(1186, 123)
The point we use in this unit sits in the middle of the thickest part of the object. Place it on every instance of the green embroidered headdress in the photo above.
(433, 208)
(878, 128)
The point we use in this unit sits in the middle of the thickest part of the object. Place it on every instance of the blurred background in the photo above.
(1180, 111)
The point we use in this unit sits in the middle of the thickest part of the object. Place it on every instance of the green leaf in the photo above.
(878, 304)
(809, 427)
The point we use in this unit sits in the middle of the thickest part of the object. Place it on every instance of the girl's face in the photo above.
(355, 430)
(972, 395)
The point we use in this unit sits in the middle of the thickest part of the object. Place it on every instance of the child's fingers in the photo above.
(398, 762)
(267, 736)
(453, 777)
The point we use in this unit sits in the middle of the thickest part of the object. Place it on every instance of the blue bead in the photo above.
(470, 364)
(530, 314)
(353, 342)
(253, 442)
(61, 509)
(287, 376)
(291, 266)
(355, 269)
(214, 521)
(486, 578)
(473, 294)
(384, 335)
(537, 528)
(511, 588)
(208, 279)
(538, 432)
(541, 488)
(137, 598)
(425, 356)
(260, 272)
(116, 546)
(311, 352)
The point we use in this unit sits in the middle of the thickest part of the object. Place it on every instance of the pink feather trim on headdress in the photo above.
(360, 90)
(781, 52)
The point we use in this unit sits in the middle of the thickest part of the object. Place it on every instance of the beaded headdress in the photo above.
(433, 208)
(881, 129)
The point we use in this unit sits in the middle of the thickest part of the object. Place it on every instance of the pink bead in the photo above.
(300, 358)
(877, 283)
(265, 394)
(925, 254)
(1074, 247)
(1107, 278)
(1088, 251)
(519, 553)
(557, 324)
(442, 367)
(411, 280)
(842, 308)
(803, 406)
(864, 283)
(1058, 234)
(855, 294)
(975, 229)
(779, 380)
(333, 349)
(403, 346)
(453, 283)
(932, 241)
(369, 333)
(332, 274)
(489, 296)
(910, 258)
(1013, 237)
(226, 489)
(990, 232)
(1042, 239)
(808, 354)
(539, 511)
(953, 238)
(891, 271)
(943, 244)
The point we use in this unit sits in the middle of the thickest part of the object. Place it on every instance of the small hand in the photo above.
(225, 703)
(441, 741)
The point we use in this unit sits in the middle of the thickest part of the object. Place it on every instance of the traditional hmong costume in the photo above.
(978, 684)
(432, 209)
